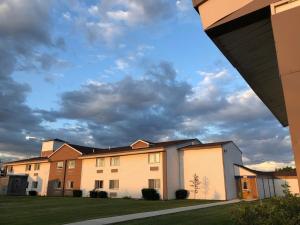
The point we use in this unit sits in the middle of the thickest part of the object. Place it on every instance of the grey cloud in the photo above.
(157, 106)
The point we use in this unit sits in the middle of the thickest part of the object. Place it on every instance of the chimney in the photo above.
(49, 146)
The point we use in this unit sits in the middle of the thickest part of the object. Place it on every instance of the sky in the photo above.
(106, 73)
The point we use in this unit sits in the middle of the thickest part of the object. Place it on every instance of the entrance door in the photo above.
(248, 186)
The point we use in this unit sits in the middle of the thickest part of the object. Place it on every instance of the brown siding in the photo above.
(140, 144)
(64, 174)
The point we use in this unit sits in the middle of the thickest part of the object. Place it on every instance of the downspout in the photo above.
(64, 177)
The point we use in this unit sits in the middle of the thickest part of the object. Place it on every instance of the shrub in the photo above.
(93, 194)
(279, 211)
(32, 193)
(150, 194)
(181, 194)
(127, 197)
(102, 194)
(77, 193)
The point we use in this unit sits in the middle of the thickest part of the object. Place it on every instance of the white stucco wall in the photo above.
(42, 176)
(208, 165)
(231, 155)
(174, 174)
(133, 174)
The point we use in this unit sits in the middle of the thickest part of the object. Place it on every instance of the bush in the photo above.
(279, 211)
(150, 194)
(181, 194)
(77, 193)
(32, 193)
(102, 194)
(93, 194)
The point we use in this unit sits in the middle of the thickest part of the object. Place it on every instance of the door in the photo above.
(248, 186)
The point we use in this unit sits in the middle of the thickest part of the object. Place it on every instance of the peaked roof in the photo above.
(34, 159)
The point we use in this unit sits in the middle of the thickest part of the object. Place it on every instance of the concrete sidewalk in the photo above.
(123, 218)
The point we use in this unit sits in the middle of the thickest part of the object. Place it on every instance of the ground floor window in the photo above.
(154, 183)
(57, 184)
(114, 184)
(70, 184)
(34, 184)
(98, 184)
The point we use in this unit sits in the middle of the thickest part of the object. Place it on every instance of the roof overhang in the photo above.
(242, 30)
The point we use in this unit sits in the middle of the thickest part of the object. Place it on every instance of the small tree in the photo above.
(195, 184)
(286, 189)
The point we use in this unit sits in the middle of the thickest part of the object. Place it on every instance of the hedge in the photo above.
(150, 194)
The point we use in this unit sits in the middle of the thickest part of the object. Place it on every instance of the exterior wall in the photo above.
(291, 181)
(48, 147)
(173, 173)
(231, 155)
(260, 188)
(208, 165)
(41, 176)
(133, 174)
(65, 154)
(239, 171)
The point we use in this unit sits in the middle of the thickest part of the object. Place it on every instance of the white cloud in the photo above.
(183, 5)
(121, 64)
(270, 165)
(67, 16)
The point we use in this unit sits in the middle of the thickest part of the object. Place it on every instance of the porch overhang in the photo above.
(242, 30)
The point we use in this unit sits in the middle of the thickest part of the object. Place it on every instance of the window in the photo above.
(70, 184)
(153, 158)
(114, 184)
(57, 184)
(34, 184)
(245, 185)
(11, 169)
(60, 165)
(37, 166)
(71, 164)
(115, 161)
(98, 184)
(28, 167)
(100, 162)
(154, 183)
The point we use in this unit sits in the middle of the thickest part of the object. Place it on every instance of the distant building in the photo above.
(124, 171)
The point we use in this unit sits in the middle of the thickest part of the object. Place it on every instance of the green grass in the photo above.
(59, 210)
(218, 215)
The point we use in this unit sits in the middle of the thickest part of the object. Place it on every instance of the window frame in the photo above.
(155, 154)
(71, 166)
(156, 183)
(37, 166)
(60, 162)
(99, 184)
(112, 159)
(34, 186)
(70, 184)
(101, 159)
(28, 167)
(112, 185)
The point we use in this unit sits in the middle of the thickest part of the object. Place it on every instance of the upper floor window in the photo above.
(115, 161)
(37, 166)
(60, 165)
(154, 158)
(100, 162)
(71, 164)
(28, 167)
(154, 183)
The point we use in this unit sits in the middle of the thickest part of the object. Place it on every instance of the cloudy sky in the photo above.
(105, 73)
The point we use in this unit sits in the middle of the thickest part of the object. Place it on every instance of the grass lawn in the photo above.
(59, 210)
(218, 215)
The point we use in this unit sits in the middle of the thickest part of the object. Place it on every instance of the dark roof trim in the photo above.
(34, 159)
(196, 3)
(255, 171)
(55, 139)
(212, 144)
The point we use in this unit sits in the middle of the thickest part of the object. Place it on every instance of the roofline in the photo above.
(123, 153)
(270, 173)
(24, 162)
(65, 144)
(196, 4)
(206, 145)
(141, 141)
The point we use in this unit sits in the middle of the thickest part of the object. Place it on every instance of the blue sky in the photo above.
(108, 72)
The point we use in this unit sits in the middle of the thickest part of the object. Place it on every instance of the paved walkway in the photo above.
(123, 218)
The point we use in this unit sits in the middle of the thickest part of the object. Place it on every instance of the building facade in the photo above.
(206, 170)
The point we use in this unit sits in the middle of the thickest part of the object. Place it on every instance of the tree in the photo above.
(286, 189)
(195, 184)
(287, 168)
